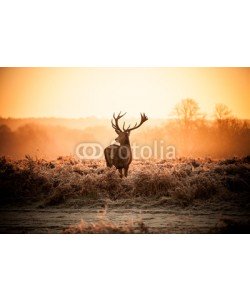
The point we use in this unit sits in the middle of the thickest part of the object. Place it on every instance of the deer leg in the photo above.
(126, 171)
(120, 171)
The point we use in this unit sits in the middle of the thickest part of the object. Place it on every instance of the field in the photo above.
(159, 196)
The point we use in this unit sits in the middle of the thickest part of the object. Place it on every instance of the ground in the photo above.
(159, 196)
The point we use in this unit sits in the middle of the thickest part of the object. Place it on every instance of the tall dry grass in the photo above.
(70, 182)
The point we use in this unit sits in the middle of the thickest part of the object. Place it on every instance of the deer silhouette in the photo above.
(120, 156)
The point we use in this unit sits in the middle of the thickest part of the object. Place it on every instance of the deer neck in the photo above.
(126, 143)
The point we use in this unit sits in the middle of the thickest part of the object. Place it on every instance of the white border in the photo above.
(116, 33)
(124, 267)
(124, 33)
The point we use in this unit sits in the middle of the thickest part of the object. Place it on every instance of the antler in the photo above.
(144, 118)
(116, 125)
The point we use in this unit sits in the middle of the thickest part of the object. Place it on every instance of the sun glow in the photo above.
(81, 92)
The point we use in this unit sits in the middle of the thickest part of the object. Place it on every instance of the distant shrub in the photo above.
(107, 226)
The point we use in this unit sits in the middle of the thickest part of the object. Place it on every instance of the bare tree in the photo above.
(187, 111)
(224, 118)
(222, 112)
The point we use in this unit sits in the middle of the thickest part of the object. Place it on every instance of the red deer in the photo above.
(121, 156)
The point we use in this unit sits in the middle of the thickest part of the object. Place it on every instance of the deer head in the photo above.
(123, 134)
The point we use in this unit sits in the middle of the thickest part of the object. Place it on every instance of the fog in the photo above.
(50, 138)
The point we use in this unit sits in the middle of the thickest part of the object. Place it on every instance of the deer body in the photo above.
(121, 156)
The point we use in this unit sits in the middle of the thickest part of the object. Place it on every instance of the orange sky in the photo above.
(81, 92)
